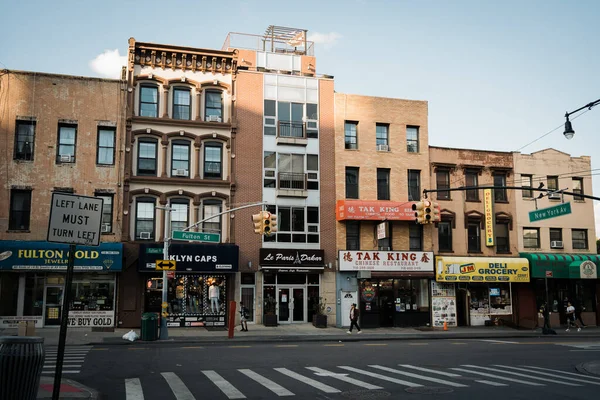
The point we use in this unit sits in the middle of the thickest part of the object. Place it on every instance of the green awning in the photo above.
(559, 266)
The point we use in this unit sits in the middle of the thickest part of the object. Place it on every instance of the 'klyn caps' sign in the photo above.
(292, 258)
(192, 257)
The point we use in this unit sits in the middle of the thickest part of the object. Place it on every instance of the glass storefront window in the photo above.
(500, 301)
(313, 279)
(9, 289)
(196, 294)
(411, 295)
(92, 296)
(269, 278)
(34, 295)
(291, 279)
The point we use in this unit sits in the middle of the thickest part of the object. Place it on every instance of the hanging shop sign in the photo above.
(374, 210)
(21, 256)
(374, 260)
(482, 269)
(488, 207)
(191, 257)
(304, 259)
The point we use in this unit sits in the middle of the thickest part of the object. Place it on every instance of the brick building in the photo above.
(60, 134)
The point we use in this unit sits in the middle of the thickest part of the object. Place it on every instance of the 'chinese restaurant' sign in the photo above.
(374, 210)
(488, 206)
(374, 260)
(482, 269)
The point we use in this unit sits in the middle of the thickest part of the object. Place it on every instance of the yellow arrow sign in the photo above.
(165, 265)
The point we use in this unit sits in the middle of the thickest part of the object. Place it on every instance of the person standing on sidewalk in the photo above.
(354, 314)
(578, 309)
(244, 314)
(571, 317)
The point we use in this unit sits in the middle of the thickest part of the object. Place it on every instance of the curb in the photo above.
(589, 368)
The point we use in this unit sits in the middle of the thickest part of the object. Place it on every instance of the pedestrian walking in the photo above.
(579, 308)
(354, 314)
(244, 315)
(571, 317)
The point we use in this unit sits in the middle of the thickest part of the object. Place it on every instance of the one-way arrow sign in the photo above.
(165, 265)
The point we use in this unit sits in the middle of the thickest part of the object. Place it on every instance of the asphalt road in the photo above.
(452, 369)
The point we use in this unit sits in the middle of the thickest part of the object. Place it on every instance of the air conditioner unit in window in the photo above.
(66, 158)
(554, 196)
(144, 235)
(556, 244)
(383, 147)
(105, 228)
(181, 172)
(213, 118)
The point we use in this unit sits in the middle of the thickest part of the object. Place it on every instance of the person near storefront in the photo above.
(354, 314)
(571, 317)
(578, 309)
(244, 315)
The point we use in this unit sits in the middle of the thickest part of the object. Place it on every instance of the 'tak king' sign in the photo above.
(75, 219)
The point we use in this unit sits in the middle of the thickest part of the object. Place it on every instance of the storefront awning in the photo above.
(563, 266)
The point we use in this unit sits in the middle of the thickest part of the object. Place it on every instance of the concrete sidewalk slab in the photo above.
(69, 389)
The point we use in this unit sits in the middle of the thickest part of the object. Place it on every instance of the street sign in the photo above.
(550, 212)
(165, 265)
(75, 219)
(197, 236)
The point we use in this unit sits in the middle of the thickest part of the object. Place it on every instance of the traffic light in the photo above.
(257, 220)
(273, 219)
(435, 212)
(266, 222)
(423, 211)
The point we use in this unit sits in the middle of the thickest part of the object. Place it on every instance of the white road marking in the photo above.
(497, 341)
(269, 384)
(54, 366)
(503, 378)
(344, 378)
(535, 378)
(133, 389)
(492, 383)
(417, 376)
(563, 372)
(177, 386)
(382, 377)
(226, 387)
(311, 382)
(555, 375)
(430, 370)
(64, 372)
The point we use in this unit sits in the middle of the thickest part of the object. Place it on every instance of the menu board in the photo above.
(443, 304)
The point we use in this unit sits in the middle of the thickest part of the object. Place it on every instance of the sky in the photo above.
(497, 74)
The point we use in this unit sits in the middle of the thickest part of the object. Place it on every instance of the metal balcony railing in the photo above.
(291, 181)
(291, 129)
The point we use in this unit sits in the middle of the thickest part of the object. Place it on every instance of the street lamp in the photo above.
(569, 132)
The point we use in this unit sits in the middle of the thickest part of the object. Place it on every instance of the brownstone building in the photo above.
(60, 134)
(385, 258)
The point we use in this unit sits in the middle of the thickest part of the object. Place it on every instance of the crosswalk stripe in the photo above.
(417, 376)
(227, 388)
(133, 389)
(503, 378)
(552, 375)
(311, 382)
(492, 383)
(177, 386)
(344, 378)
(269, 384)
(70, 366)
(497, 341)
(382, 377)
(64, 372)
(563, 372)
(450, 374)
(535, 378)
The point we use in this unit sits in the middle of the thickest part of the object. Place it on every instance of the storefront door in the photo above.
(53, 305)
(292, 305)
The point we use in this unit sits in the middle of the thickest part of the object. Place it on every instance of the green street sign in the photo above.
(550, 212)
(197, 236)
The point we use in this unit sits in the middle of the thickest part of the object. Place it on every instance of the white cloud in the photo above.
(109, 63)
(326, 39)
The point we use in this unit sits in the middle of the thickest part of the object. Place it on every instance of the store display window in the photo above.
(92, 296)
(192, 297)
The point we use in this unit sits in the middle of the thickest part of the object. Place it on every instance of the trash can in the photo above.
(21, 363)
(149, 326)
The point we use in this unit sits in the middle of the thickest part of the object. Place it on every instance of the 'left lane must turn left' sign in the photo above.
(75, 219)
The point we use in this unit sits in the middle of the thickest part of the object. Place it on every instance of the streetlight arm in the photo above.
(588, 106)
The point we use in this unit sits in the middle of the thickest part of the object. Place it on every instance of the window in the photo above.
(180, 158)
(291, 171)
(381, 135)
(213, 165)
(442, 178)
(445, 235)
(149, 101)
(105, 154)
(182, 103)
(312, 171)
(472, 180)
(352, 235)
(412, 139)
(350, 135)
(24, 140)
(415, 234)
(292, 224)
(383, 184)
(474, 237)
(556, 235)
(580, 239)
(500, 194)
(289, 116)
(20, 207)
(147, 153)
(384, 244)
(527, 180)
(67, 136)
(213, 108)
(312, 121)
(270, 118)
(107, 213)
(210, 208)
(312, 224)
(179, 214)
(578, 188)
(270, 164)
(351, 183)
(552, 182)
(531, 238)
(502, 239)
(144, 218)
(414, 185)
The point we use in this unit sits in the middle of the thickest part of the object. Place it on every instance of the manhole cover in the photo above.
(429, 390)
(366, 394)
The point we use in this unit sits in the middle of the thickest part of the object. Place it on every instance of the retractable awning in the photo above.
(563, 266)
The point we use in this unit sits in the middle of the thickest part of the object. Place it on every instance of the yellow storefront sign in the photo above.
(481, 269)
(488, 207)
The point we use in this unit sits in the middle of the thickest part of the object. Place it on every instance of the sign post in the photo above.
(73, 220)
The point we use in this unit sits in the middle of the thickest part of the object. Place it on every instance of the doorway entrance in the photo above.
(291, 304)
(53, 305)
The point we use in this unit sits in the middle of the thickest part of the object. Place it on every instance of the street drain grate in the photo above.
(429, 390)
(366, 394)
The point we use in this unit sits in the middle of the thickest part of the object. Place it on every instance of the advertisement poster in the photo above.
(80, 319)
(443, 304)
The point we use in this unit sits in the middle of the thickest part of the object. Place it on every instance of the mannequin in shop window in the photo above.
(213, 294)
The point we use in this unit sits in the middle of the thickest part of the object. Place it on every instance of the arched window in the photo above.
(145, 221)
(182, 103)
(148, 101)
(147, 155)
(213, 106)
(180, 214)
(213, 160)
(180, 158)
